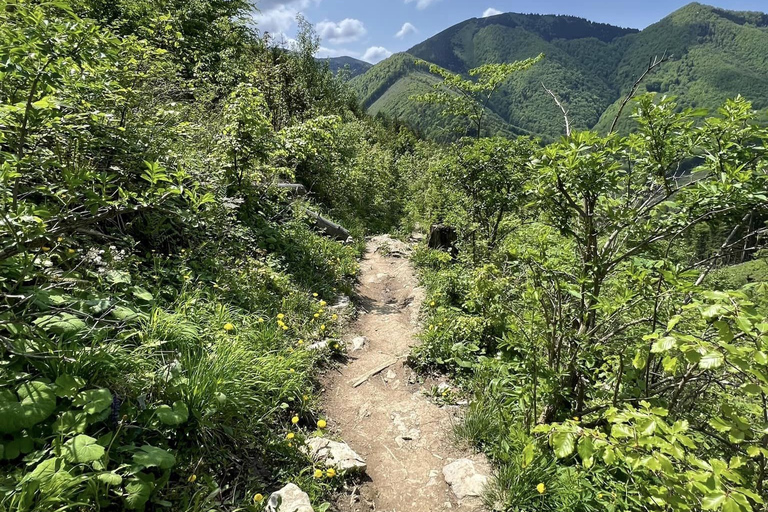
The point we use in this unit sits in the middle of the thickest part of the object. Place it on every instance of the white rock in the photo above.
(342, 303)
(464, 478)
(391, 375)
(289, 499)
(335, 455)
(319, 346)
(443, 387)
(359, 343)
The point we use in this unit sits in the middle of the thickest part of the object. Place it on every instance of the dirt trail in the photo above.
(405, 438)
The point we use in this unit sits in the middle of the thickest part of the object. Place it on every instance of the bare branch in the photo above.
(652, 65)
(562, 109)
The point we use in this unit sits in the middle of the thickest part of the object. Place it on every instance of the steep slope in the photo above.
(716, 54)
(355, 67)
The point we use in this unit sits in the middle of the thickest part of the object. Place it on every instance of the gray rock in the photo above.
(335, 455)
(359, 343)
(319, 346)
(464, 479)
(289, 499)
(343, 303)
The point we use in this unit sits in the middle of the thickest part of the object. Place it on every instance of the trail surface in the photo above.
(405, 437)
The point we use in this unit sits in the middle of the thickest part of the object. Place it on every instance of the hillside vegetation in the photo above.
(158, 290)
(714, 55)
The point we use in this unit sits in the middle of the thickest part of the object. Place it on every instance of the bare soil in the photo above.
(389, 420)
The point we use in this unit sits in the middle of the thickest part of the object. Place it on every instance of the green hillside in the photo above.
(355, 67)
(714, 55)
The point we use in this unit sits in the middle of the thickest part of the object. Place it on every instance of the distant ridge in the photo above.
(715, 54)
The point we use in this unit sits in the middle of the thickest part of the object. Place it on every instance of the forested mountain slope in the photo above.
(714, 54)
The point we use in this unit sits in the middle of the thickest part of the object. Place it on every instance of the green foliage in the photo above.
(715, 55)
(600, 359)
(158, 291)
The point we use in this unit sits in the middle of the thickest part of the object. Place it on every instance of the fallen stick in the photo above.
(359, 382)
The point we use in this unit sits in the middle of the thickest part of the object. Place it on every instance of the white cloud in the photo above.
(376, 54)
(491, 12)
(422, 4)
(324, 53)
(407, 30)
(344, 31)
(277, 17)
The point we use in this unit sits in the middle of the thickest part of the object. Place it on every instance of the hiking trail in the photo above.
(405, 438)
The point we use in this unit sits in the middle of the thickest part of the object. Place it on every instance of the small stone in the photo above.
(464, 479)
(319, 346)
(365, 411)
(391, 375)
(359, 343)
(342, 303)
(335, 455)
(289, 499)
(443, 387)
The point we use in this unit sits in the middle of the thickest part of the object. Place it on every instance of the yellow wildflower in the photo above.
(317, 315)
(71, 251)
(323, 303)
(541, 488)
(318, 473)
(322, 327)
(322, 424)
(46, 249)
(292, 370)
(290, 435)
(300, 342)
(258, 498)
(285, 327)
(330, 473)
(314, 295)
(229, 327)
(261, 320)
(192, 478)
(295, 420)
(305, 398)
(576, 419)
(432, 304)
(336, 346)
(335, 317)
(280, 316)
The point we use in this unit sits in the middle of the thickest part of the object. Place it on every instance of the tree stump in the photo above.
(443, 238)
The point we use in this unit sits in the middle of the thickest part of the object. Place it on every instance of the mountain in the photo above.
(356, 67)
(714, 55)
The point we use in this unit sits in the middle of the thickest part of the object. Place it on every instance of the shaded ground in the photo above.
(405, 438)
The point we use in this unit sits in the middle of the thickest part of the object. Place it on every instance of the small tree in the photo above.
(470, 97)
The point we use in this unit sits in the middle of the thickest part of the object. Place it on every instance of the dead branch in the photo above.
(562, 109)
(652, 65)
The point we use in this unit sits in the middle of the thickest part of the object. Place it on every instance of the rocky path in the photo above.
(405, 438)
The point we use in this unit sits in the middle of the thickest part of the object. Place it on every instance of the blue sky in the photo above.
(372, 30)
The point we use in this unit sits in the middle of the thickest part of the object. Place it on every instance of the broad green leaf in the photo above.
(142, 294)
(63, 324)
(563, 443)
(71, 422)
(151, 456)
(110, 478)
(711, 360)
(82, 449)
(713, 501)
(137, 494)
(93, 401)
(663, 345)
(37, 401)
(528, 454)
(640, 360)
(586, 451)
(178, 415)
(67, 386)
